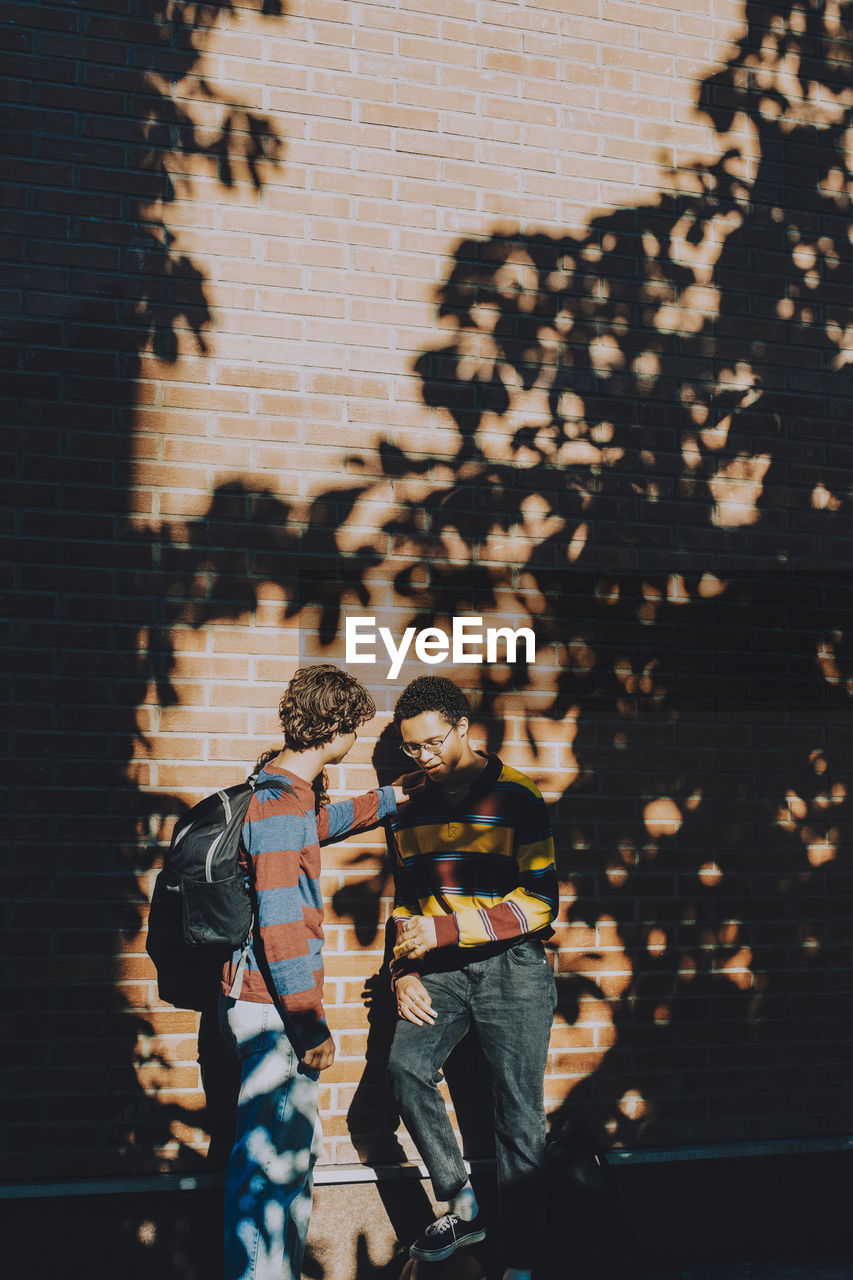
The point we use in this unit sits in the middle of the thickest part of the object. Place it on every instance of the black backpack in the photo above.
(201, 907)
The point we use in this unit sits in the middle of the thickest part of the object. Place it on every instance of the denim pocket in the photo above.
(529, 951)
(249, 1025)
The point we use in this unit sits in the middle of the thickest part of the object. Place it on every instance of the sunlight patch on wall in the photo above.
(662, 817)
(656, 942)
(737, 969)
(823, 500)
(633, 1105)
(736, 488)
(710, 874)
(823, 848)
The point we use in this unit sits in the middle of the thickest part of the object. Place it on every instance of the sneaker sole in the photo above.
(438, 1255)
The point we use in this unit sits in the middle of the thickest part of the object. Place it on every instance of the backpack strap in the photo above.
(237, 984)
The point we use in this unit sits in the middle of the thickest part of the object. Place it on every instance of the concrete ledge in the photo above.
(348, 1174)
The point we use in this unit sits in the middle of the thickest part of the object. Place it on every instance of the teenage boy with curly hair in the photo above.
(271, 1009)
(475, 894)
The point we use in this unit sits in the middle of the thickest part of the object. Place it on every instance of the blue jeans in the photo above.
(509, 999)
(268, 1182)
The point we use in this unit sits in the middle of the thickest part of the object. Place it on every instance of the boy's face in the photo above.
(436, 745)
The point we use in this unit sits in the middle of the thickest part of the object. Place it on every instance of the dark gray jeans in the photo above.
(509, 998)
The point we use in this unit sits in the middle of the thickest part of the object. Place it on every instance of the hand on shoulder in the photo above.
(408, 785)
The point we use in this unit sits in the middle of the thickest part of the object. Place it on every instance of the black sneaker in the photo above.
(444, 1236)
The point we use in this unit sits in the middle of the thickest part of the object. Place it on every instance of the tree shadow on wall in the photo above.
(651, 416)
(655, 410)
(108, 107)
(652, 430)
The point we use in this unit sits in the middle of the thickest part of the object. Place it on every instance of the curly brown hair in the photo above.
(320, 702)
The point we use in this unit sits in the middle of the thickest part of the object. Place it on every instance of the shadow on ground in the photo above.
(756, 1218)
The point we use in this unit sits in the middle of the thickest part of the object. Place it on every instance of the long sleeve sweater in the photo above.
(484, 869)
(282, 837)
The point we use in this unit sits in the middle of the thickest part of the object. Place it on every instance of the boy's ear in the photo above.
(462, 725)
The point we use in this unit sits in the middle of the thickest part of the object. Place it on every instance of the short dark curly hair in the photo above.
(320, 702)
(432, 693)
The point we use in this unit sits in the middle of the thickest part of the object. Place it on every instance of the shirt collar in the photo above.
(300, 788)
(481, 784)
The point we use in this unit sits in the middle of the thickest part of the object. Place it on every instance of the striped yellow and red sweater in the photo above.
(484, 869)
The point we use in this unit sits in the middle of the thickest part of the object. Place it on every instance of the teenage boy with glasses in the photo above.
(475, 894)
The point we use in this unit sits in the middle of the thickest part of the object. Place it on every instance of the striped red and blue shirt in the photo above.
(282, 837)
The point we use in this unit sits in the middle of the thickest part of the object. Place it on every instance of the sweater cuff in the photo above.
(446, 930)
(387, 802)
(402, 969)
(309, 1027)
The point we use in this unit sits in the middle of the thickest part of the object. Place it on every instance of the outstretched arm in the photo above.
(345, 817)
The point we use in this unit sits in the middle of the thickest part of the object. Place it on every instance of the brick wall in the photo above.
(535, 312)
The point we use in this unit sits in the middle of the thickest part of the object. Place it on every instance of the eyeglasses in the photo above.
(434, 746)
